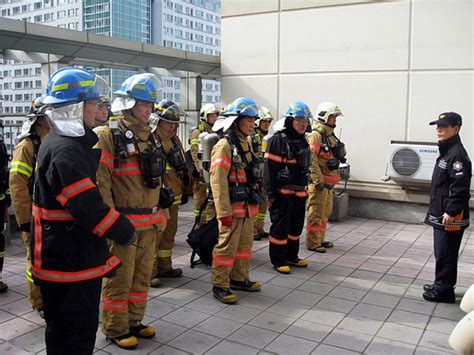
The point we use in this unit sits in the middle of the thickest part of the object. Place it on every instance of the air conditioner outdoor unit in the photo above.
(411, 161)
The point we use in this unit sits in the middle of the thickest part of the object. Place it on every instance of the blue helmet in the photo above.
(70, 85)
(298, 109)
(242, 106)
(141, 87)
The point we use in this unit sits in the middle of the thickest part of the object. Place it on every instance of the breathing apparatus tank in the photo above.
(200, 138)
(208, 142)
(265, 141)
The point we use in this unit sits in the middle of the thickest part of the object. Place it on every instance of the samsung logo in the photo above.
(428, 151)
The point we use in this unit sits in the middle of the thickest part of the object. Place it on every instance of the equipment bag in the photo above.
(203, 239)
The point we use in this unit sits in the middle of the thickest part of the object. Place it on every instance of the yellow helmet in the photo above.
(206, 110)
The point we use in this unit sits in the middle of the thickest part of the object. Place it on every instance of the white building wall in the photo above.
(392, 66)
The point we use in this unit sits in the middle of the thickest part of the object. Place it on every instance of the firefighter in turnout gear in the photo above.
(327, 153)
(448, 211)
(164, 123)
(129, 179)
(287, 161)
(262, 123)
(236, 174)
(103, 112)
(5, 202)
(71, 222)
(23, 164)
(207, 117)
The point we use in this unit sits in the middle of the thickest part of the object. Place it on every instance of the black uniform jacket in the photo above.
(70, 219)
(450, 186)
(282, 150)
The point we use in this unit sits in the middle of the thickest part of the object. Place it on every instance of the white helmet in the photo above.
(264, 114)
(325, 109)
(207, 109)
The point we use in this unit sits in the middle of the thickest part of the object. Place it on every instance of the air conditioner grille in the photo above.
(405, 162)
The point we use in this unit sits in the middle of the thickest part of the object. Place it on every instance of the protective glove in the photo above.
(226, 221)
(320, 187)
(132, 240)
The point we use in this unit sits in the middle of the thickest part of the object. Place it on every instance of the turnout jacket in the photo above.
(282, 151)
(22, 177)
(450, 186)
(70, 220)
(225, 173)
(124, 187)
(321, 141)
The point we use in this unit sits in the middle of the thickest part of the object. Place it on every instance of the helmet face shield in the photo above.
(143, 87)
(103, 88)
(171, 113)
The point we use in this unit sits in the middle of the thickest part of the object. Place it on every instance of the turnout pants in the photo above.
(446, 250)
(287, 217)
(165, 243)
(319, 210)
(232, 253)
(124, 296)
(71, 312)
(34, 294)
(260, 218)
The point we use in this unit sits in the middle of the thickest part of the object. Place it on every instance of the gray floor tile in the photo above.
(380, 299)
(410, 319)
(348, 340)
(219, 327)
(168, 350)
(274, 291)
(336, 304)
(206, 305)
(272, 321)
(389, 289)
(286, 281)
(315, 286)
(356, 283)
(388, 347)
(238, 313)
(144, 346)
(338, 270)
(185, 317)
(416, 306)
(324, 349)
(158, 308)
(303, 297)
(253, 336)
(290, 309)
(323, 316)
(426, 351)
(166, 331)
(4, 316)
(449, 311)
(371, 311)
(179, 297)
(400, 332)
(10, 349)
(441, 325)
(194, 342)
(255, 300)
(229, 347)
(350, 294)
(435, 340)
(32, 341)
(290, 345)
(16, 327)
(360, 324)
(308, 330)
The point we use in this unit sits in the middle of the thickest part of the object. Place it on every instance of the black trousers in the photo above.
(446, 250)
(2, 240)
(287, 217)
(71, 312)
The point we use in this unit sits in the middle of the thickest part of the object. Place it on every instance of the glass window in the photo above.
(38, 84)
(16, 10)
(18, 97)
(199, 14)
(61, 14)
(38, 18)
(26, 71)
(37, 71)
(37, 5)
(47, 17)
(17, 72)
(178, 21)
(19, 109)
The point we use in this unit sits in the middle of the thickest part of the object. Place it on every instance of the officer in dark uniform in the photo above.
(448, 211)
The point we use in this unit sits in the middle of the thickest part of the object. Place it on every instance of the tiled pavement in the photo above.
(362, 296)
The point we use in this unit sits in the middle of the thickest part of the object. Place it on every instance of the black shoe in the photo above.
(224, 295)
(264, 235)
(436, 296)
(428, 287)
(257, 236)
(247, 285)
(171, 273)
(3, 287)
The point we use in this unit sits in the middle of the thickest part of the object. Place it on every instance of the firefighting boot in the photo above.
(257, 236)
(143, 331)
(171, 273)
(327, 244)
(126, 341)
(298, 263)
(40, 312)
(3, 287)
(283, 269)
(319, 249)
(247, 285)
(155, 282)
(224, 295)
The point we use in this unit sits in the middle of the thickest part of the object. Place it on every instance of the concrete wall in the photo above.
(392, 66)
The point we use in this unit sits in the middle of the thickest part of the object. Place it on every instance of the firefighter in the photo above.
(129, 179)
(236, 174)
(71, 222)
(103, 111)
(23, 163)
(5, 202)
(327, 153)
(262, 124)
(207, 117)
(287, 161)
(164, 125)
(448, 211)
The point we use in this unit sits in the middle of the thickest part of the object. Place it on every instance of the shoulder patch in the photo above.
(457, 166)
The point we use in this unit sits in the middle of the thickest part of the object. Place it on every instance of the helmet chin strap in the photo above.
(330, 125)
